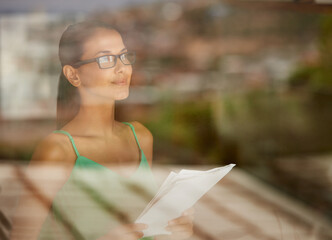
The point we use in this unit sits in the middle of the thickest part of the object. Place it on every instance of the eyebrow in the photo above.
(106, 51)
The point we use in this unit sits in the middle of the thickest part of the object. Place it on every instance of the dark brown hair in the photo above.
(70, 51)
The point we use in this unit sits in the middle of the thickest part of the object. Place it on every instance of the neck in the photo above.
(97, 119)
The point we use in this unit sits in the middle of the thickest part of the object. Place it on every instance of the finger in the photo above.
(189, 211)
(180, 227)
(134, 235)
(181, 235)
(180, 220)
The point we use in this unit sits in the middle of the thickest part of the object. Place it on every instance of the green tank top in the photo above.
(96, 199)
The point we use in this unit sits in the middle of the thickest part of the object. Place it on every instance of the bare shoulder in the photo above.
(145, 139)
(142, 131)
(52, 161)
(54, 148)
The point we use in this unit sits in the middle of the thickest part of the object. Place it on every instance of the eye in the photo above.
(128, 57)
(104, 59)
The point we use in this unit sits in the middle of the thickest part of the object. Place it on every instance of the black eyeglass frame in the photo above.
(80, 63)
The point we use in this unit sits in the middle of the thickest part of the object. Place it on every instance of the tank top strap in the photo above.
(133, 129)
(70, 138)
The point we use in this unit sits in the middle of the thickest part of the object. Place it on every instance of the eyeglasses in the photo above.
(109, 61)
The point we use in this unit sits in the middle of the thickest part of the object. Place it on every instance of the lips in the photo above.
(120, 82)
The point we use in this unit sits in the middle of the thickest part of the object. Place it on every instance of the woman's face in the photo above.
(104, 84)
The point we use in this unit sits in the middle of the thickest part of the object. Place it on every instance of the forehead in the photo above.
(103, 39)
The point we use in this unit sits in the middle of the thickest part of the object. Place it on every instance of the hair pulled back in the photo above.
(71, 48)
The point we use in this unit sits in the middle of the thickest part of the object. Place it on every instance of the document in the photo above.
(178, 192)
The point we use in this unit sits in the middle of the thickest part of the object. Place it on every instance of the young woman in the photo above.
(95, 204)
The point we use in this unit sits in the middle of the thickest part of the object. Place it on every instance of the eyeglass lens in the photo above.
(110, 61)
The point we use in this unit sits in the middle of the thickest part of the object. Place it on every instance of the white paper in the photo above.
(178, 193)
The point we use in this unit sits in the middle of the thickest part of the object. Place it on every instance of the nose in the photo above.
(119, 66)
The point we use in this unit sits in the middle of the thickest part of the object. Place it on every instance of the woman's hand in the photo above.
(182, 227)
(126, 232)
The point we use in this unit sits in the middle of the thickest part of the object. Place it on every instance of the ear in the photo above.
(71, 74)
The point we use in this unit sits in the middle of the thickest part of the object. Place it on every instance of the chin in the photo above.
(122, 95)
